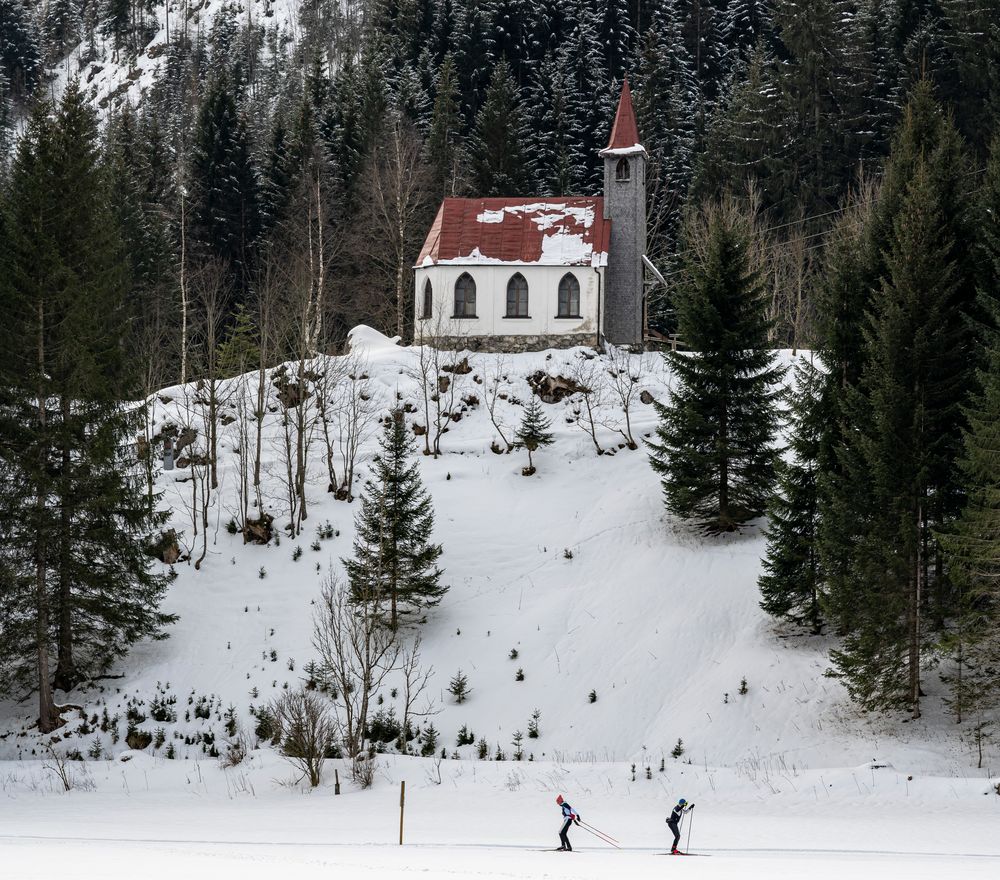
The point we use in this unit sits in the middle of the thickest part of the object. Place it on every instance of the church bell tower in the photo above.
(625, 206)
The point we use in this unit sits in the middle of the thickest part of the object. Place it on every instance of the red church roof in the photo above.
(625, 132)
(546, 232)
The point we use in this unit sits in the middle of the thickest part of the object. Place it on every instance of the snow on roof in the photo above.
(557, 232)
(624, 140)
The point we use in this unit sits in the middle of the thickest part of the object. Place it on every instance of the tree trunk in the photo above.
(48, 719)
(914, 617)
(65, 676)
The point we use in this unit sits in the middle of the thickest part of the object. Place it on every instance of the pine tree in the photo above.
(20, 49)
(899, 458)
(224, 200)
(972, 546)
(548, 129)
(499, 166)
(714, 450)
(533, 433)
(394, 560)
(444, 146)
(665, 101)
(792, 583)
(66, 432)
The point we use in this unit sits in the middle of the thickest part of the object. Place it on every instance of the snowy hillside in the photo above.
(109, 79)
(578, 569)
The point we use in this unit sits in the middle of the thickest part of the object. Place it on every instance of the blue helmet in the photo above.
(681, 802)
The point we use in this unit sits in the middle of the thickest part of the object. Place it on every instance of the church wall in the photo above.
(541, 330)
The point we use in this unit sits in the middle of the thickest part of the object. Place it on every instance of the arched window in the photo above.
(428, 300)
(465, 296)
(569, 297)
(622, 170)
(517, 296)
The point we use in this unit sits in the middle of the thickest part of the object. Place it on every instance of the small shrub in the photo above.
(513, 654)
(297, 554)
(518, 748)
(96, 750)
(743, 687)
(429, 745)
(159, 737)
(465, 737)
(567, 553)
(266, 729)
(459, 687)
(519, 675)
(533, 724)
(384, 727)
(231, 526)
(315, 545)
(262, 573)
(592, 696)
(171, 752)
(482, 749)
(678, 749)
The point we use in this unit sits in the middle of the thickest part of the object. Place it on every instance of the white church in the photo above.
(524, 274)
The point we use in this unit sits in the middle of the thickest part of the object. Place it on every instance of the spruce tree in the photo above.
(224, 199)
(20, 49)
(498, 164)
(533, 433)
(394, 561)
(67, 433)
(792, 581)
(898, 460)
(714, 450)
(972, 546)
(444, 146)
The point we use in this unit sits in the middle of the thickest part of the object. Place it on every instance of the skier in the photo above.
(674, 823)
(571, 816)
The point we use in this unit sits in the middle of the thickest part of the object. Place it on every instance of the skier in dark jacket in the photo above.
(571, 816)
(674, 822)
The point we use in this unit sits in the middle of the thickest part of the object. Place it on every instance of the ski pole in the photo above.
(599, 836)
(688, 847)
(598, 830)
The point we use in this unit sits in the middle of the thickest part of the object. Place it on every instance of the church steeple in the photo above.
(625, 206)
(624, 138)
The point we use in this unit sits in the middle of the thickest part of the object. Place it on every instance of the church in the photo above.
(525, 274)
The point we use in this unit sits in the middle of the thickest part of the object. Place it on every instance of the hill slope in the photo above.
(578, 568)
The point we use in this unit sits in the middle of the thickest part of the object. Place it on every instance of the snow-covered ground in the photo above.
(162, 818)
(579, 570)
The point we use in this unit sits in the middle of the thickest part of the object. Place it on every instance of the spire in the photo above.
(625, 132)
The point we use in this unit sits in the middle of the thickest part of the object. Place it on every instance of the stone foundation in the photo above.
(516, 344)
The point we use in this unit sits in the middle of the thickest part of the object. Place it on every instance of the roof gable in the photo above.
(544, 232)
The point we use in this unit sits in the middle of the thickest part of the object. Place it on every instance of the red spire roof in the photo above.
(625, 131)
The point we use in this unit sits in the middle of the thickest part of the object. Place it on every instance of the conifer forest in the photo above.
(212, 194)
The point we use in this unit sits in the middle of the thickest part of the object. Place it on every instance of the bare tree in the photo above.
(307, 732)
(439, 371)
(588, 401)
(356, 410)
(415, 681)
(624, 386)
(331, 372)
(497, 375)
(398, 196)
(357, 652)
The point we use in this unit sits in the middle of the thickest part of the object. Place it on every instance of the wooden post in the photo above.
(336, 781)
(402, 803)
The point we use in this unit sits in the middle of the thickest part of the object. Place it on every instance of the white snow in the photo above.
(366, 339)
(581, 571)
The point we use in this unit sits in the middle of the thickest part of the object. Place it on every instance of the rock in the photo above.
(646, 397)
(419, 430)
(553, 389)
(259, 531)
(166, 547)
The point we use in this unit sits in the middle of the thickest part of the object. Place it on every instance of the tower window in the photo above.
(569, 297)
(622, 170)
(428, 300)
(517, 296)
(465, 296)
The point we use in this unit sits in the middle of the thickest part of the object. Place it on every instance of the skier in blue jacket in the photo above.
(571, 816)
(674, 822)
